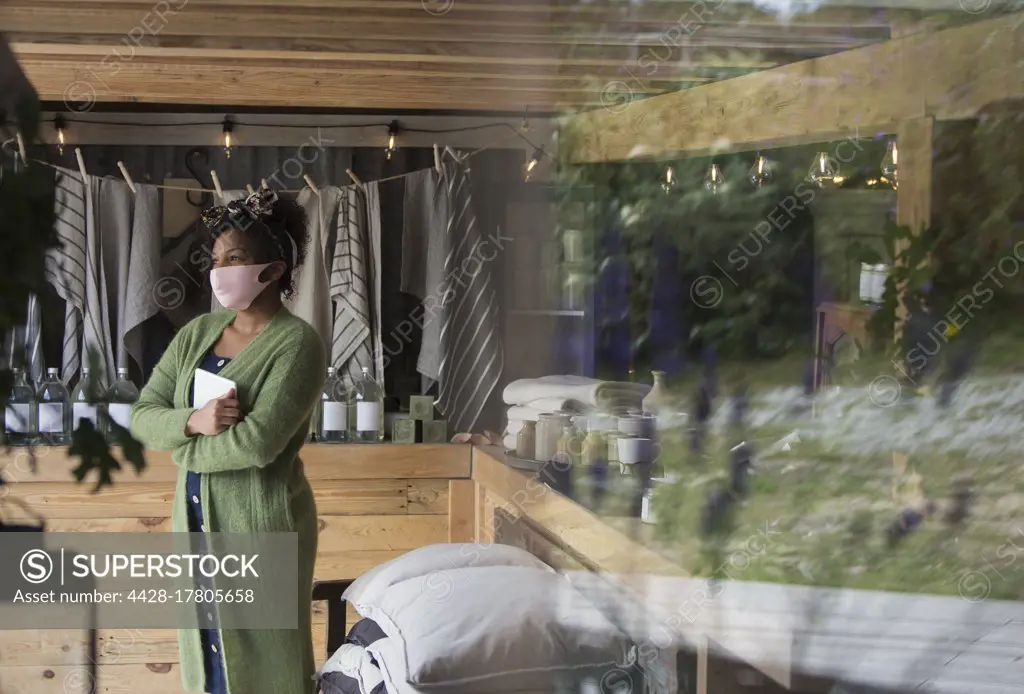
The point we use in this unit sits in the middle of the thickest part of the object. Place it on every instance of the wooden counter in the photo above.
(375, 501)
(804, 637)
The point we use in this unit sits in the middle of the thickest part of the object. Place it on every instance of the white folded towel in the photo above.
(589, 391)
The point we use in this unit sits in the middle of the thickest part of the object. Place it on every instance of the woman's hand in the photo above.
(215, 416)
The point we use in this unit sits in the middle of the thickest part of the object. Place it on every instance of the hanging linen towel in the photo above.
(472, 357)
(589, 391)
(312, 299)
(34, 361)
(425, 221)
(373, 234)
(65, 265)
(351, 280)
(114, 219)
(140, 301)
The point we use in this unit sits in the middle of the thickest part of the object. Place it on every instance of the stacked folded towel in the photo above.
(530, 397)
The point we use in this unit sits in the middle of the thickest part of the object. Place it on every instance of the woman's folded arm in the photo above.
(284, 404)
(155, 421)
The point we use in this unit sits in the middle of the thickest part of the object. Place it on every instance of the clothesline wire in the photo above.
(466, 128)
(296, 190)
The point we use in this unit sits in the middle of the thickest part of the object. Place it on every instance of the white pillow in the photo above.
(433, 560)
(497, 629)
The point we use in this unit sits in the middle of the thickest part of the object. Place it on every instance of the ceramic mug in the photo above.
(638, 425)
(634, 449)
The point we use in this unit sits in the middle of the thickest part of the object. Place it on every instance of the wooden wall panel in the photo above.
(461, 511)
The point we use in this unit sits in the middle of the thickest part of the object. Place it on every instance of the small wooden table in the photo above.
(831, 321)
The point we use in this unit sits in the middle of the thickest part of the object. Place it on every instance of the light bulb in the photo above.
(532, 164)
(823, 170)
(890, 162)
(714, 181)
(670, 180)
(60, 124)
(760, 172)
(392, 140)
(228, 129)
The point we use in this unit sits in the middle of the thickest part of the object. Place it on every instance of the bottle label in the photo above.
(80, 411)
(367, 416)
(335, 416)
(51, 417)
(120, 413)
(16, 418)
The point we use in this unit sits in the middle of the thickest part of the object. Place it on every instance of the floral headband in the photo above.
(252, 209)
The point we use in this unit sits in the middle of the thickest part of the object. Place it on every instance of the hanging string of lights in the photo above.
(823, 171)
(394, 130)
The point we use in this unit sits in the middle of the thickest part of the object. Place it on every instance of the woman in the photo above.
(238, 455)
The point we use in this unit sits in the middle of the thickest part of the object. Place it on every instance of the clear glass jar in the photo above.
(549, 431)
(526, 441)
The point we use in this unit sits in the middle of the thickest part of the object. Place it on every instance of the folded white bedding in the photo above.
(354, 661)
(589, 391)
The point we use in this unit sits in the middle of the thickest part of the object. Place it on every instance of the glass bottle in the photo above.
(120, 398)
(332, 415)
(657, 398)
(526, 441)
(54, 410)
(20, 417)
(369, 409)
(86, 401)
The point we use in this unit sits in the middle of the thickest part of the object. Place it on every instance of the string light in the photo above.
(823, 171)
(538, 154)
(229, 128)
(890, 163)
(60, 124)
(392, 138)
(714, 181)
(760, 172)
(670, 180)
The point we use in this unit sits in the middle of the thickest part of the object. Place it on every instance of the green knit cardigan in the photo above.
(252, 478)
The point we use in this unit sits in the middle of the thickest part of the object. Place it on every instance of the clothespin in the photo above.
(21, 149)
(263, 184)
(309, 182)
(355, 179)
(81, 165)
(449, 150)
(127, 177)
(437, 158)
(248, 189)
(216, 185)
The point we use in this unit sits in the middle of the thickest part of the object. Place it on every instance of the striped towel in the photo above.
(65, 267)
(351, 342)
(472, 357)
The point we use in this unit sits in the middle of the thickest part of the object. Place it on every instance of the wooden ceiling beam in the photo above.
(585, 60)
(544, 11)
(112, 27)
(210, 83)
(948, 74)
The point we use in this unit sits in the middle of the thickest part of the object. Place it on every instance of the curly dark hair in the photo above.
(266, 237)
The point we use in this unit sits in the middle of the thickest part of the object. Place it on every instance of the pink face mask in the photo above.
(236, 286)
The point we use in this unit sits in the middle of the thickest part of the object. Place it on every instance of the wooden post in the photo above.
(914, 140)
